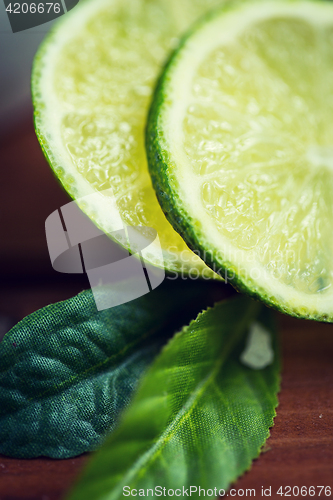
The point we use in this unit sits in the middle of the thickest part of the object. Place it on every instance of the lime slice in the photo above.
(92, 82)
(240, 144)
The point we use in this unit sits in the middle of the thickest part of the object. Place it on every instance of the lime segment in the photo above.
(92, 82)
(240, 138)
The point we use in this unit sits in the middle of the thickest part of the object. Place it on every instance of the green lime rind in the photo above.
(166, 185)
(38, 103)
(70, 185)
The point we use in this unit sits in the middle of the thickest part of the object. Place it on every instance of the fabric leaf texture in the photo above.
(67, 370)
(199, 416)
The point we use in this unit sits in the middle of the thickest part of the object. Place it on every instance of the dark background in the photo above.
(300, 449)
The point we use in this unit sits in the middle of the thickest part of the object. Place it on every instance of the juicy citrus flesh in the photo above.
(92, 85)
(249, 133)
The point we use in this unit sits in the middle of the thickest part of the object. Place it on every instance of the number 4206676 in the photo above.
(304, 491)
(33, 8)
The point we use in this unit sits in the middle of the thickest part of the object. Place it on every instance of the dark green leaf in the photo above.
(67, 370)
(199, 417)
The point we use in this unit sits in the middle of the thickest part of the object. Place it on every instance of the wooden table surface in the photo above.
(300, 449)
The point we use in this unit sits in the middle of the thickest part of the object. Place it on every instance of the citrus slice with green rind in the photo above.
(92, 82)
(240, 146)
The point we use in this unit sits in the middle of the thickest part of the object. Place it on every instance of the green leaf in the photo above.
(67, 370)
(199, 417)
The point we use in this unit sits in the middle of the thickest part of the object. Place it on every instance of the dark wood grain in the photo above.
(300, 449)
(301, 443)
